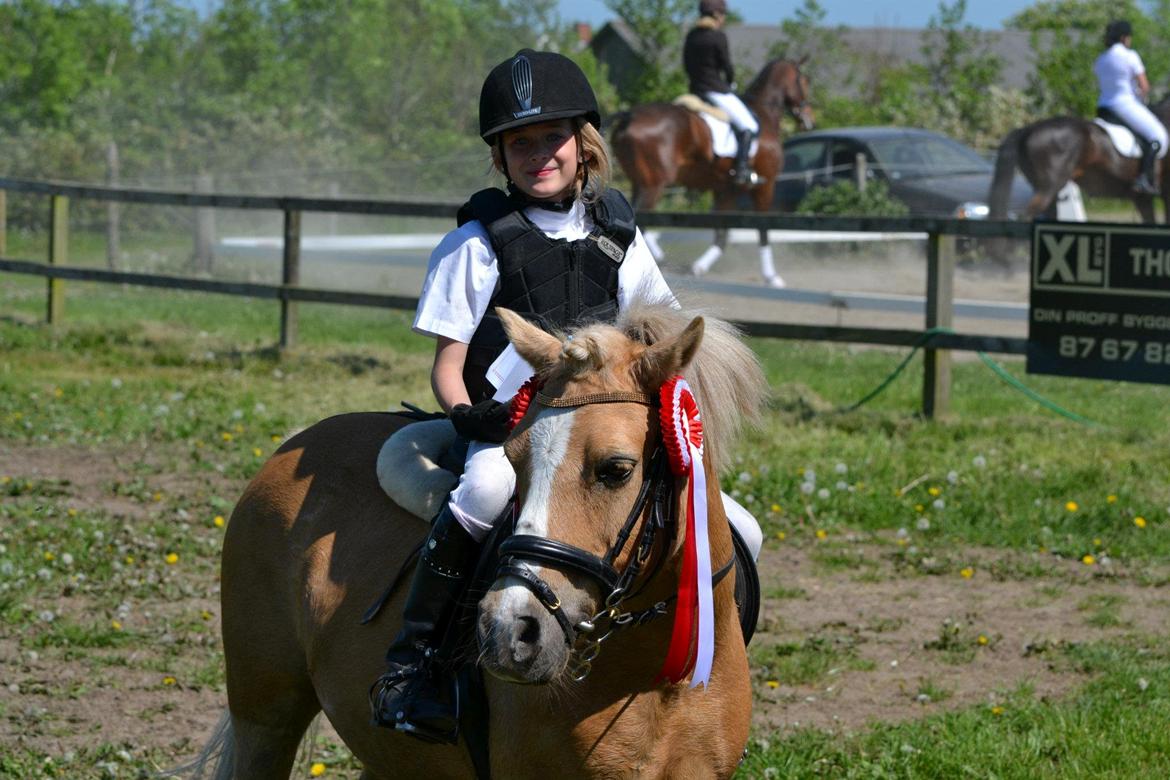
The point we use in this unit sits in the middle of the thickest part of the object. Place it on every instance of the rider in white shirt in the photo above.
(1121, 77)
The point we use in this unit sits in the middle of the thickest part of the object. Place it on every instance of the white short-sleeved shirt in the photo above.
(462, 277)
(1116, 69)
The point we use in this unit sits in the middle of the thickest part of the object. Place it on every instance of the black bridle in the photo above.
(661, 522)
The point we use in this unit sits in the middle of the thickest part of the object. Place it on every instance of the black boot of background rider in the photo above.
(740, 169)
(1145, 180)
(414, 695)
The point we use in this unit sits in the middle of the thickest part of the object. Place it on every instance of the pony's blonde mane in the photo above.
(724, 375)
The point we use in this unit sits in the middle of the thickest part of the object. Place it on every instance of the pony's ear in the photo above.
(663, 360)
(801, 61)
(534, 345)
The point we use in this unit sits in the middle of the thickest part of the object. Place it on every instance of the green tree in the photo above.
(1067, 36)
(659, 26)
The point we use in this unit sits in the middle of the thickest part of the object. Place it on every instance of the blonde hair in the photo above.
(594, 152)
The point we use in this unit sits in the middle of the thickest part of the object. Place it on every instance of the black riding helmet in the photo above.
(534, 86)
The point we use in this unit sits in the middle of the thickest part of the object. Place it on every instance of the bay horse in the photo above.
(314, 541)
(1054, 151)
(660, 144)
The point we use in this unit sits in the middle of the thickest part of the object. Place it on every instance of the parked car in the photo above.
(932, 174)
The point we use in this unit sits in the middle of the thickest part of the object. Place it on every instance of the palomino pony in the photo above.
(660, 144)
(1054, 151)
(314, 541)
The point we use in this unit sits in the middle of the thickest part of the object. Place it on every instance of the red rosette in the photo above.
(523, 399)
(682, 428)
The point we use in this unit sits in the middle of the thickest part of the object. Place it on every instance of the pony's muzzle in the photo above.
(519, 640)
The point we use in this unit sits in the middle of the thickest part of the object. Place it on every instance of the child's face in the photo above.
(542, 159)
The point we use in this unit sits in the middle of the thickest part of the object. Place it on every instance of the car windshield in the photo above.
(921, 155)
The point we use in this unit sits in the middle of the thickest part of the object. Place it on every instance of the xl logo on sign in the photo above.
(1071, 258)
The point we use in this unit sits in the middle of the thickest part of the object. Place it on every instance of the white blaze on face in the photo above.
(548, 441)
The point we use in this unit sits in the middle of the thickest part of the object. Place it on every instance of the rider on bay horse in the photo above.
(1123, 90)
(707, 61)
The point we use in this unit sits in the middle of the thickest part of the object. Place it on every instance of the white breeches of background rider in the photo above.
(488, 482)
(1140, 119)
(740, 116)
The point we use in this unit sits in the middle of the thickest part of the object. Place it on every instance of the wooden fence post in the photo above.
(204, 226)
(113, 208)
(58, 254)
(3, 222)
(860, 174)
(290, 277)
(940, 313)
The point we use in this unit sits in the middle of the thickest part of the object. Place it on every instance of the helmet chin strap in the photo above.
(564, 205)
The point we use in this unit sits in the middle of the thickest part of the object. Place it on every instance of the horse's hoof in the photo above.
(776, 281)
(698, 269)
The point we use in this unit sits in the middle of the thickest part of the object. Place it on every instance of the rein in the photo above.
(657, 490)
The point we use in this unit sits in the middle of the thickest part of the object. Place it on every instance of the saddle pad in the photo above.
(722, 137)
(1123, 139)
(409, 471)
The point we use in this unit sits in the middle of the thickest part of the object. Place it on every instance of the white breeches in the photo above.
(488, 482)
(484, 490)
(1140, 119)
(740, 116)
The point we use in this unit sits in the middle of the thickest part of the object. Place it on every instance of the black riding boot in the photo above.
(414, 695)
(740, 169)
(1145, 181)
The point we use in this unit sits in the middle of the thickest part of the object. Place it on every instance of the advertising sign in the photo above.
(1100, 302)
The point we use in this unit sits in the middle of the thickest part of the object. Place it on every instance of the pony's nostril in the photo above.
(529, 630)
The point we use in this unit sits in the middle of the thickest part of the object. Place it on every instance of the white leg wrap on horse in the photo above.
(706, 260)
(651, 239)
(745, 523)
(484, 490)
(767, 264)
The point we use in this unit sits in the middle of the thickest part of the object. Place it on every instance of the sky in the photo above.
(988, 14)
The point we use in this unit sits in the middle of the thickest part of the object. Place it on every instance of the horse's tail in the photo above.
(217, 759)
(1005, 170)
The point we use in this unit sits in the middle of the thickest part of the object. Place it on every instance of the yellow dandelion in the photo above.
(114, 624)
(257, 452)
(967, 572)
(275, 439)
(1111, 499)
(1088, 560)
(219, 521)
(226, 436)
(822, 534)
(72, 512)
(903, 542)
(933, 491)
(897, 492)
(776, 508)
(58, 392)
(129, 560)
(1071, 506)
(781, 535)
(919, 508)
(1041, 549)
(169, 680)
(1140, 522)
(317, 769)
(205, 615)
(172, 559)
(238, 428)
(773, 684)
(982, 639)
(157, 496)
(997, 710)
(5, 479)
(50, 557)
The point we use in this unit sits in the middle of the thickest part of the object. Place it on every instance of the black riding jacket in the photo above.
(554, 283)
(707, 61)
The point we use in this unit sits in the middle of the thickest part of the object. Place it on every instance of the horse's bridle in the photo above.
(657, 490)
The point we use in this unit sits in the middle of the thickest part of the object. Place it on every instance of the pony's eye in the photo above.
(615, 472)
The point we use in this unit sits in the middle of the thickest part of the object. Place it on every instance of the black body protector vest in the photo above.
(553, 283)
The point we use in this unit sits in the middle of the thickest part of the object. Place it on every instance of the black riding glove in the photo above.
(484, 421)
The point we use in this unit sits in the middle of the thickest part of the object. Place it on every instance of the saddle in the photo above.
(415, 462)
(723, 142)
(1125, 140)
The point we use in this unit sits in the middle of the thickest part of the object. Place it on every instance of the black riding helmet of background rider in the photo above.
(712, 7)
(1116, 30)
